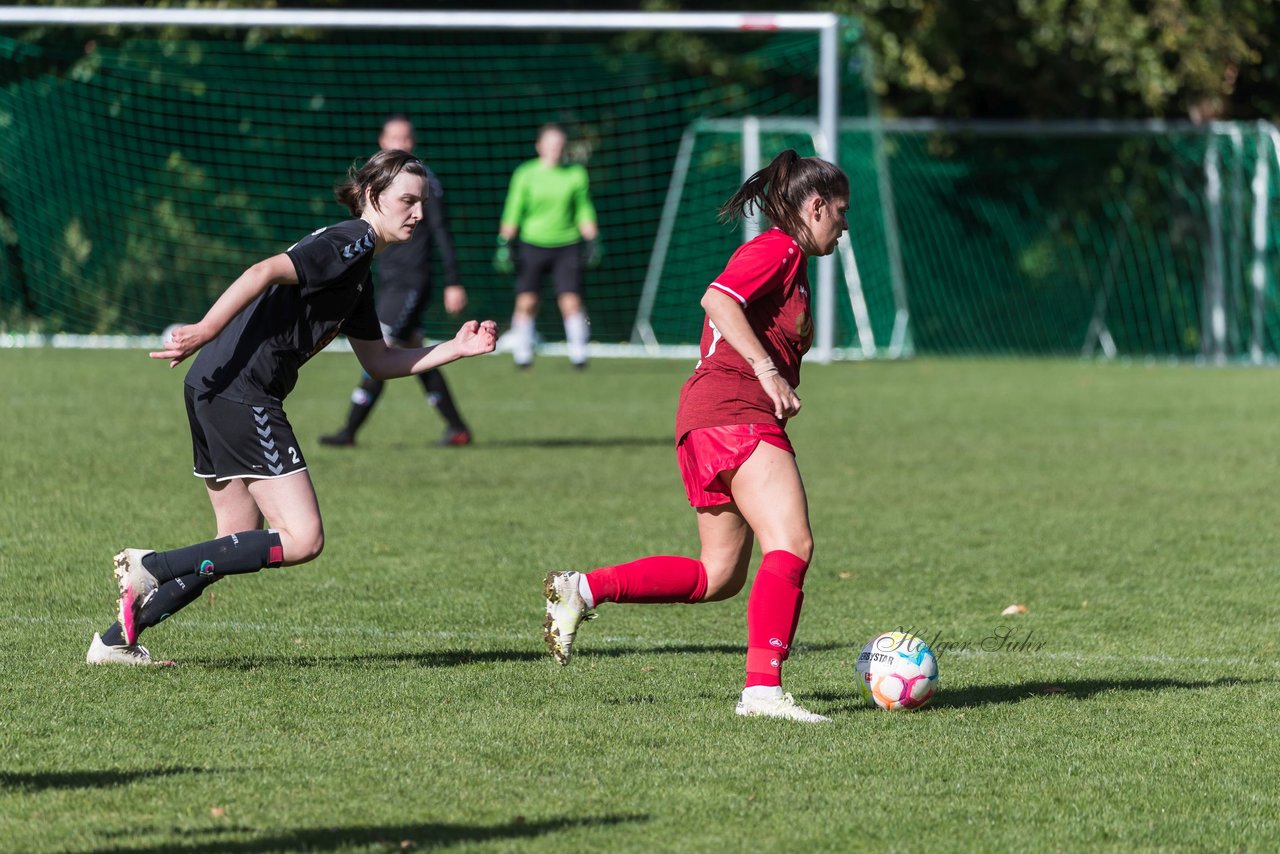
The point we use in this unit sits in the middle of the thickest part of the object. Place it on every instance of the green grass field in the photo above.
(395, 694)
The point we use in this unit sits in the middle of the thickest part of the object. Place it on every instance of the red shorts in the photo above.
(707, 452)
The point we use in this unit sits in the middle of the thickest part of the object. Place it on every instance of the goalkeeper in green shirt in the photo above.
(549, 209)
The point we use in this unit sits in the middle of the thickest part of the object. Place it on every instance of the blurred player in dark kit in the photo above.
(403, 289)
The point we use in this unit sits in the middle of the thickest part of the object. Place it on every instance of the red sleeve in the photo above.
(760, 267)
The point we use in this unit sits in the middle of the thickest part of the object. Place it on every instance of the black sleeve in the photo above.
(437, 222)
(310, 260)
(325, 259)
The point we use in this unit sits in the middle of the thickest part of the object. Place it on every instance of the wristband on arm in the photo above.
(764, 368)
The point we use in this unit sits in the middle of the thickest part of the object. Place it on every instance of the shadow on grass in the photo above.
(463, 657)
(41, 780)
(391, 836)
(1076, 689)
(587, 442)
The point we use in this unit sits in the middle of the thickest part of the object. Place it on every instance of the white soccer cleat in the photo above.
(566, 609)
(784, 707)
(134, 654)
(135, 585)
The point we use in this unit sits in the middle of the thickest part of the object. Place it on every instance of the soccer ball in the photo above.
(897, 671)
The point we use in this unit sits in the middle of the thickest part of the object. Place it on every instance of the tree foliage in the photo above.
(1045, 59)
(1073, 58)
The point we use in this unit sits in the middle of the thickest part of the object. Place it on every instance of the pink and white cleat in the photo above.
(135, 584)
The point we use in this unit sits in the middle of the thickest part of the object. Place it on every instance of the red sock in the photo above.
(650, 579)
(772, 614)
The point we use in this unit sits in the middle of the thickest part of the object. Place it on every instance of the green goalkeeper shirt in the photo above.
(548, 204)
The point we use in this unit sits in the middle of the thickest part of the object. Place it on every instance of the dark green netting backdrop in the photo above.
(1045, 241)
(137, 179)
(1133, 239)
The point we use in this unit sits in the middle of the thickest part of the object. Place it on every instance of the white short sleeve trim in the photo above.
(728, 291)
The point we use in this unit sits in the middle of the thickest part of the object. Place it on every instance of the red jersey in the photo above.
(769, 277)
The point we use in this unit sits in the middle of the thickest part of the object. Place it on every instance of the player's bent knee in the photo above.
(800, 546)
(723, 584)
(301, 549)
(727, 590)
(315, 546)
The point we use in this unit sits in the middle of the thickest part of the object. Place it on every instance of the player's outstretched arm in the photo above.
(385, 363)
(185, 340)
(727, 315)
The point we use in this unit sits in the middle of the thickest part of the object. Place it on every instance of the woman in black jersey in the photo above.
(255, 337)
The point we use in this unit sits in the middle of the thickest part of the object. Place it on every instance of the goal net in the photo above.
(143, 166)
(1096, 238)
(144, 163)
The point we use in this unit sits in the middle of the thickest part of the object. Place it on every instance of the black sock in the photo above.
(168, 599)
(438, 396)
(362, 401)
(247, 551)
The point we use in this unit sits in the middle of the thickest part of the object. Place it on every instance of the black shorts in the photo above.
(400, 311)
(232, 440)
(564, 263)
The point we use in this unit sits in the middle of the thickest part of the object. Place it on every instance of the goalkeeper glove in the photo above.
(504, 259)
(592, 253)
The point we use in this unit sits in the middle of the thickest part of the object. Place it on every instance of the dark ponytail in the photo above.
(781, 189)
(371, 179)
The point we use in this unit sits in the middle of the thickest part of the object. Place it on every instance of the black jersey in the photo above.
(256, 357)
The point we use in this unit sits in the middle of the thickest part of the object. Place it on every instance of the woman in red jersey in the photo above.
(738, 466)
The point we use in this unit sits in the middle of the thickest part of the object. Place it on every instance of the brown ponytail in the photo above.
(781, 189)
(371, 179)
